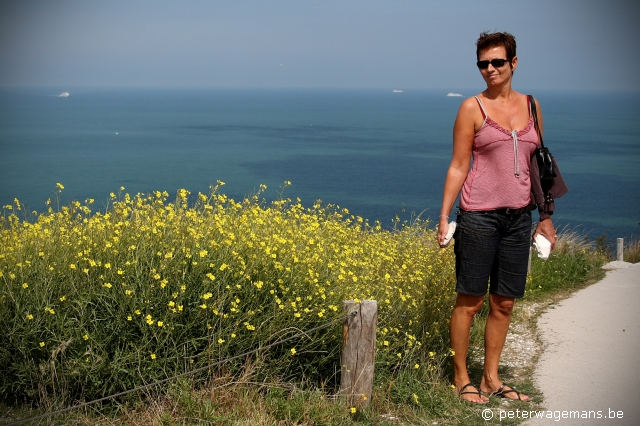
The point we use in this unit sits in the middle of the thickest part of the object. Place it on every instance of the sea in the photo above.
(382, 154)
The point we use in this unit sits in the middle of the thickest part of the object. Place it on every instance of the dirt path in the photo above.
(590, 363)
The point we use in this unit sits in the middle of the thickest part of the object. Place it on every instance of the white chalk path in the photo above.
(591, 358)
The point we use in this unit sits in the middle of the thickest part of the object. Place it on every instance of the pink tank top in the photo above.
(499, 176)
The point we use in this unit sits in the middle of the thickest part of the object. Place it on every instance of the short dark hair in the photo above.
(487, 40)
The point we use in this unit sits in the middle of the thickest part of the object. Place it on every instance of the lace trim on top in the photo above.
(489, 122)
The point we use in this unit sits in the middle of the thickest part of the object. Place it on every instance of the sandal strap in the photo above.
(502, 392)
(462, 392)
(499, 390)
(512, 390)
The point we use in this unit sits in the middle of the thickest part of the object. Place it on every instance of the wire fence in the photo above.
(188, 373)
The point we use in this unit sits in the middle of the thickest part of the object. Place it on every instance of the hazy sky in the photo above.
(395, 44)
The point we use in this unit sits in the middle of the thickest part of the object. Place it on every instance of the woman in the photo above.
(493, 233)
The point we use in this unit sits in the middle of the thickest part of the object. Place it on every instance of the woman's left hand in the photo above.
(545, 227)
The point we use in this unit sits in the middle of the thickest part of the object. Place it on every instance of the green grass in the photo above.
(632, 250)
(574, 263)
(98, 302)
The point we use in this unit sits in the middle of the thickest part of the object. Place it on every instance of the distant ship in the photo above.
(397, 91)
(453, 94)
(63, 95)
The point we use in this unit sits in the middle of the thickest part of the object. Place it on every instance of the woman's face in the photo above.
(496, 76)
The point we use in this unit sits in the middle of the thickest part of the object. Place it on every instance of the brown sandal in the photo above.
(462, 392)
(502, 393)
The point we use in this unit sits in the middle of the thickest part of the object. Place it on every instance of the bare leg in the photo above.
(459, 333)
(495, 334)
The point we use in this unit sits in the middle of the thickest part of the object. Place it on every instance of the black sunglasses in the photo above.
(497, 63)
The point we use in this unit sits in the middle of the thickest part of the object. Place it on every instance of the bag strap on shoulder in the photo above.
(534, 112)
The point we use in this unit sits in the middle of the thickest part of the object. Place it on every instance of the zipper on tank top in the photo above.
(516, 163)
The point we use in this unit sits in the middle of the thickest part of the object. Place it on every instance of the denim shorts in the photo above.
(492, 247)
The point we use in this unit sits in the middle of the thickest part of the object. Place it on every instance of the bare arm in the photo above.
(464, 131)
(545, 227)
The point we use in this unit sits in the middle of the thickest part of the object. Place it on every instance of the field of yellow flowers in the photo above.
(97, 302)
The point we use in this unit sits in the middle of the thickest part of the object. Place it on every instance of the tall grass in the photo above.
(575, 261)
(632, 250)
(97, 302)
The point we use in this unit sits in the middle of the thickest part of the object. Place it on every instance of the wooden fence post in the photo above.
(621, 249)
(358, 351)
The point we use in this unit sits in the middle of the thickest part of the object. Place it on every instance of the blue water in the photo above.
(379, 154)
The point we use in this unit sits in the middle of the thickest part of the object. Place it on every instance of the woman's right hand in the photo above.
(469, 117)
(443, 228)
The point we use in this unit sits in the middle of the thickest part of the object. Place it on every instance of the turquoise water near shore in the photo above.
(378, 153)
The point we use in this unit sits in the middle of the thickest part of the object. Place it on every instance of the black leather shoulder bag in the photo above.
(546, 162)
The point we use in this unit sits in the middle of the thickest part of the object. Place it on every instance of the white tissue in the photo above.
(450, 231)
(542, 246)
